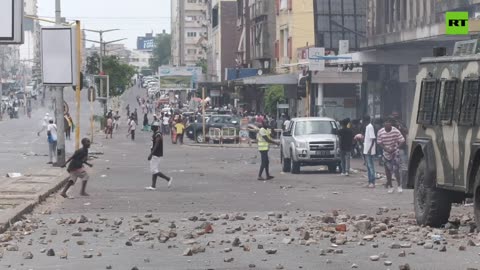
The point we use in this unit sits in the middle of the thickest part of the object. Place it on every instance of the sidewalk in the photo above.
(18, 196)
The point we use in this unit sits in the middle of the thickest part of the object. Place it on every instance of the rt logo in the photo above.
(456, 23)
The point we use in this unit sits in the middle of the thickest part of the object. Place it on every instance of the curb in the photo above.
(15, 214)
(220, 146)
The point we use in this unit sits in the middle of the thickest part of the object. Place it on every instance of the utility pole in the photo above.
(59, 104)
(102, 54)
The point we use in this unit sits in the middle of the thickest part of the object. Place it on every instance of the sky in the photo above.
(133, 17)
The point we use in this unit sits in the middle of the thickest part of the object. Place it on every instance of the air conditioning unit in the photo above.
(467, 47)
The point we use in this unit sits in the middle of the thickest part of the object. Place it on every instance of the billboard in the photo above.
(58, 46)
(11, 22)
(145, 43)
(175, 78)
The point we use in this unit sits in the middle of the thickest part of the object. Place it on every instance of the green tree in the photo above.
(203, 64)
(119, 73)
(273, 94)
(161, 51)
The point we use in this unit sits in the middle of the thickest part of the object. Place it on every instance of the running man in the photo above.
(391, 139)
(154, 158)
(76, 168)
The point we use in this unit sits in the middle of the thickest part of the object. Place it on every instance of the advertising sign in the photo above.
(11, 22)
(145, 43)
(456, 23)
(178, 78)
(58, 56)
(316, 62)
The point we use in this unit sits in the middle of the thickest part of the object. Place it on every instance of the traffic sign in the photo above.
(315, 59)
(11, 22)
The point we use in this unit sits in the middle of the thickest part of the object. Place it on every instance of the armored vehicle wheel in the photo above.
(432, 205)
(476, 197)
(286, 165)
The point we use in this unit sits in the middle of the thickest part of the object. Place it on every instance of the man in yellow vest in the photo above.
(264, 140)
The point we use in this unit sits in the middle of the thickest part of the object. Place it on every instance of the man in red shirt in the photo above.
(391, 139)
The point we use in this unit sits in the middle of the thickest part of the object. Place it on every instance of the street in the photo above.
(215, 199)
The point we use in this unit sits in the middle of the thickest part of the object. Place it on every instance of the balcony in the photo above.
(261, 8)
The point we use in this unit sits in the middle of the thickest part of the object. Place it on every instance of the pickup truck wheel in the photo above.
(199, 138)
(432, 205)
(295, 166)
(332, 168)
(286, 165)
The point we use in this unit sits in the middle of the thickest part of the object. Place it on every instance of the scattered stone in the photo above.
(287, 241)
(402, 254)
(226, 250)
(87, 256)
(470, 243)
(328, 219)
(406, 245)
(228, 260)
(375, 245)
(117, 222)
(63, 255)
(12, 248)
(443, 248)
(80, 242)
(394, 246)
(82, 219)
(53, 232)
(341, 227)
(374, 258)
(108, 267)
(271, 251)
(236, 242)
(369, 237)
(128, 244)
(305, 235)
(387, 263)
(27, 255)
(188, 252)
(281, 228)
(279, 267)
(328, 261)
(363, 226)
(462, 248)
(193, 218)
(404, 267)
(51, 253)
(428, 245)
(252, 265)
(354, 266)
(76, 234)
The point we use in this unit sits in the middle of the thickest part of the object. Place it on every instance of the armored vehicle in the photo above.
(444, 135)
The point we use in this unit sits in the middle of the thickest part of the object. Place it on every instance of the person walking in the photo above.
(52, 141)
(391, 139)
(154, 158)
(128, 110)
(369, 150)
(166, 124)
(132, 126)
(109, 128)
(179, 128)
(76, 168)
(346, 142)
(145, 122)
(264, 140)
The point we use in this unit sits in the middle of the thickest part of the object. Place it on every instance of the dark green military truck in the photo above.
(444, 135)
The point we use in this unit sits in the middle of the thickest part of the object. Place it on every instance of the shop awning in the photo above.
(269, 79)
(337, 77)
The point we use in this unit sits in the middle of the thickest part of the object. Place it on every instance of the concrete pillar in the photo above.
(320, 102)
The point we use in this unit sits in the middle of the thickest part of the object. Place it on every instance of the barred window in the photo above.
(428, 97)
(447, 101)
(468, 109)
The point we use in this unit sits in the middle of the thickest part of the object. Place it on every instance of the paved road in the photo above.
(211, 182)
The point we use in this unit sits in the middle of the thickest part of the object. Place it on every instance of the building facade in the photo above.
(140, 59)
(30, 50)
(189, 31)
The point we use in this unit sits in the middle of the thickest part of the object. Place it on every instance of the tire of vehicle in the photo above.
(295, 166)
(432, 205)
(199, 138)
(476, 198)
(332, 168)
(286, 165)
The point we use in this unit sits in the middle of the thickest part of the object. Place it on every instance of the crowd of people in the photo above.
(381, 139)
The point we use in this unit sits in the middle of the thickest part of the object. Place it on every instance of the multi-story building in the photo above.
(30, 49)
(223, 40)
(399, 33)
(189, 31)
(140, 59)
(256, 24)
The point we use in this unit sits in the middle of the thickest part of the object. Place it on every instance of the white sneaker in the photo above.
(170, 182)
(399, 189)
(347, 174)
(342, 174)
(150, 188)
(390, 190)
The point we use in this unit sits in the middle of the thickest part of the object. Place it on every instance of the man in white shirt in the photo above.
(52, 141)
(132, 126)
(166, 124)
(369, 150)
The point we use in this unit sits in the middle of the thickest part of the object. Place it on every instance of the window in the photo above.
(192, 51)
(191, 34)
(192, 1)
(428, 97)
(314, 127)
(447, 101)
(468, 109)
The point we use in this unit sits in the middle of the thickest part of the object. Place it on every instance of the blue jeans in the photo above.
(370, 168)
(345, 161)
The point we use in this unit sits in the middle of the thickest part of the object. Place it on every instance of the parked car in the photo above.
(310, 141)
(195, 130)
